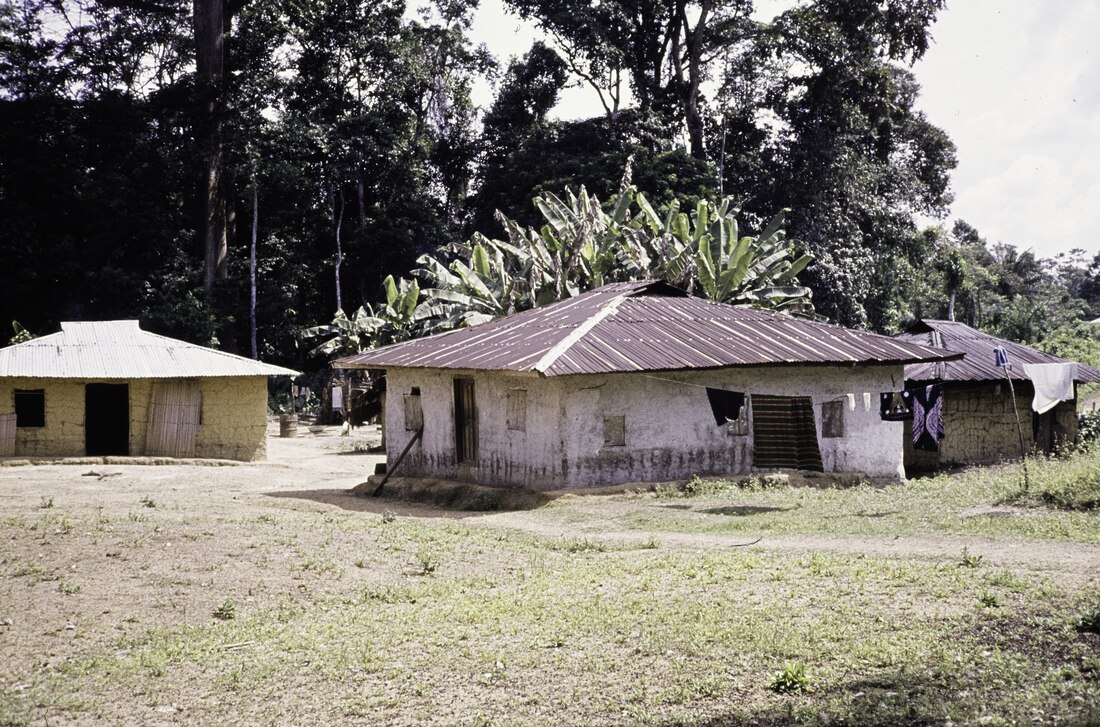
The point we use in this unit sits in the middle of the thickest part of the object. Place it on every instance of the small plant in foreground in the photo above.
(148, 502)
(968, 560)
(226, 611)
(388, 517)
(47, 503)
(427, 561)
(791, 680)
(989, 600)
(1089, 622)
(580, 545)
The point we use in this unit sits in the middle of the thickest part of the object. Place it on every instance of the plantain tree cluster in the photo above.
(579, 247)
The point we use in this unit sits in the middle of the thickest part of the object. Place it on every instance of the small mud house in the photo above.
(979, 419)
(640, 382)
(109, 388)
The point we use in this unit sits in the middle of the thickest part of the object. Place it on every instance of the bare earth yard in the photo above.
(266, 594)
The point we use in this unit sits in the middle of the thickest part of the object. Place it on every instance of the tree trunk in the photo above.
(338, 213)
(689, 87)
(252, 268)
(209, 27)
(951, 307)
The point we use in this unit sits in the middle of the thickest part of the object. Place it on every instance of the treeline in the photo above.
(156, 155)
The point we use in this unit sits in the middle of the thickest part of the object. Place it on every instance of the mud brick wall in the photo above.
(980, 427)
(63, 435)
(234, 419)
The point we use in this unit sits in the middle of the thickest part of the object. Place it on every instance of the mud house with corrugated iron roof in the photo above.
(628, 383)
(108, 388)
(978, 414)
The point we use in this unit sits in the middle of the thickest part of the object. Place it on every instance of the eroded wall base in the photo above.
(570, 436)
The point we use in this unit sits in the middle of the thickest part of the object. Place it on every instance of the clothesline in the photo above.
(840, 397)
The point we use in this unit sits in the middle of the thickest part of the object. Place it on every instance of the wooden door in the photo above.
(465, 422)
(175, 412)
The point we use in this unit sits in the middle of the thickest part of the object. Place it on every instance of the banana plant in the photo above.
(395, 320)
(581, 246)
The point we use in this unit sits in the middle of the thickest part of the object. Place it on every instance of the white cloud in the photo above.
(1016, 85)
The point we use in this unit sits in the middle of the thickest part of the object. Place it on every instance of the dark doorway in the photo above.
(465, 422)
(107, 419)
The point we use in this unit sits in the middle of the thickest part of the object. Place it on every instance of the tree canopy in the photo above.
(159, 156)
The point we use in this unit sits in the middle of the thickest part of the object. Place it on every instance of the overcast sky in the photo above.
(1016, 85)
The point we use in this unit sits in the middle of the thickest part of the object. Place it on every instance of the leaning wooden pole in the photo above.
(400, 459)
(1015, 410)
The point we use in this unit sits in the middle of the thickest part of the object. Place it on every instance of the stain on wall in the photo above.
(668, 429)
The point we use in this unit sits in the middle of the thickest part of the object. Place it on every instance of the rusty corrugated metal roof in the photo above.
(641, 326)
(121, 350)
(978, 365)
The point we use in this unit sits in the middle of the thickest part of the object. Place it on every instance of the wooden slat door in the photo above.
(175, 411)
(7, 435)
(465, 422)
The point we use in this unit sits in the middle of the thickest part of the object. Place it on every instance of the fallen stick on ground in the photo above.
(101, 475)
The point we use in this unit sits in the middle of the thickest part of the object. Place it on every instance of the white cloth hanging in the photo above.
(337, 398)
(867, 401)
(851, 402)
(1053, 383)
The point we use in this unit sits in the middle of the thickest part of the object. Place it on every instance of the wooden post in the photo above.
(1019, 427)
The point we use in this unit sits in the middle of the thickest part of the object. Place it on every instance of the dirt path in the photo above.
(322, 469)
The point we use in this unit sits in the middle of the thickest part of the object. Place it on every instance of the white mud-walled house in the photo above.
(637, 382)
(108, 388)
(979, 415)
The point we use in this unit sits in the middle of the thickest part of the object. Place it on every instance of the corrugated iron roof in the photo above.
(978, 347)
(121, 350)
(641, 326)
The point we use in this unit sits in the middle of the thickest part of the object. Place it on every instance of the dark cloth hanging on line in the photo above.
(928, 418)
(725, 405)
(784, 433)
(895, 406)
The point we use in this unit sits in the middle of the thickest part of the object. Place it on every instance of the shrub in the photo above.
(1088, 427)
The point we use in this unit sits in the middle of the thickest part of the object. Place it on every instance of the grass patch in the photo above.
(1070, 483)
(979, 501)
(674, 637)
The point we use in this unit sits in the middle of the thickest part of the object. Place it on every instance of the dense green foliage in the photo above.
(581, 246)
(347, 147)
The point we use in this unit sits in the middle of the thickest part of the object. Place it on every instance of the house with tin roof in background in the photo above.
(641, 382)
(108, 388)
(978, 410)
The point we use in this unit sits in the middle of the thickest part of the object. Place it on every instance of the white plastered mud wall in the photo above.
(669, 431)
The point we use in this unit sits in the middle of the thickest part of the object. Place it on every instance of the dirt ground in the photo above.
(92, 554)
(317, 472)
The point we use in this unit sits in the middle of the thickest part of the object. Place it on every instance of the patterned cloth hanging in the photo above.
(785, 433)
(928, 418)
(896, 406)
